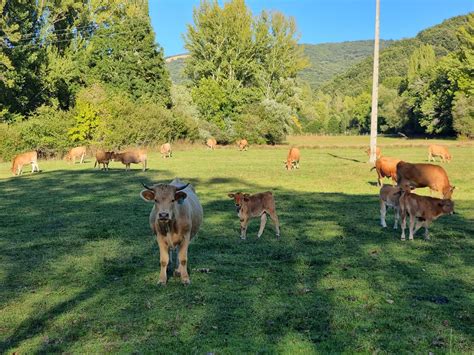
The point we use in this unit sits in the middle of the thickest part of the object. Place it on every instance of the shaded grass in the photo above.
(79, 267)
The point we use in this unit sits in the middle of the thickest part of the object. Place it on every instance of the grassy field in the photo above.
(79, 266)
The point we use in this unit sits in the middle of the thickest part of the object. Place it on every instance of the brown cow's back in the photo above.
(386, 167)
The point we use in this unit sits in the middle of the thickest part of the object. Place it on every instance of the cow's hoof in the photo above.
(176, 273)
(162, 283)
(242, 238)
(403, 239)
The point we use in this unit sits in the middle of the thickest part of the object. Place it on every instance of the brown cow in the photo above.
(243, 144)
(424, 209)
(211, 143)
(103, 158)
(78, 152)
(438, 151)
(258, 205)
(165, 150)
(293, 159)
(378, 153)
(175, 219)
(386, 167)
(23, 159)
(131, 156)
(389, 197)
(410, 176)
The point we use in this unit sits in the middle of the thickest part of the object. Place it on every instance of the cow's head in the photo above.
(239, 198)
(165, 197)
(448, 192)
(289, 164)
(447, 206)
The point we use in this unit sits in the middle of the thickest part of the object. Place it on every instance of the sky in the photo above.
(319, 21)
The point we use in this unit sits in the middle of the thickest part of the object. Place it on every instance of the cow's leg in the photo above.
(397, 217)
(418, 225)
(82, 158)
(183, 260)
(274, 218)
(243, 228)
(412, 226)
(32, 166)
(164, 259)
(404, 222)
(263, 221)
(383, 212)
(427, 235)
(379, 179)
(429, 157)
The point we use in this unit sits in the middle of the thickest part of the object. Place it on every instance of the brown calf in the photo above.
(386, 167)
(23, 159)
(165, 150)
(175, 219)
(410, 176)
(258, 205)
(103, 158)
(131, 157)
(424, 209)
(389, 197)
(78, 152)
(438, 151)
(293, 159)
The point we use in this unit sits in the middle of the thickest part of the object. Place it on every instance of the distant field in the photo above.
(79, 266)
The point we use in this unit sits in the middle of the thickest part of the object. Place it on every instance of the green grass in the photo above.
(79, 266)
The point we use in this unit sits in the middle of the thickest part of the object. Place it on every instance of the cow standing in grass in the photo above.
(243, 144)
(378, 152)
(386, 167)
(211, 143)
(422, 211)
(165, 150)
(175, 219)
(25, 158)
(411, 176)
(293, 159)
(103, 158)
(131, 157)
(258, 205)
(390, 197)
(439, 151)
(78, 152)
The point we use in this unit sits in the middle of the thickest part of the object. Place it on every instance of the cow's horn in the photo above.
(182, 187)
(146, 187)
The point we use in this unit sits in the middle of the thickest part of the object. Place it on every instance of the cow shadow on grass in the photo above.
(335, 281)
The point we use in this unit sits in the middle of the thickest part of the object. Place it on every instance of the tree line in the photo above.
(75, 72)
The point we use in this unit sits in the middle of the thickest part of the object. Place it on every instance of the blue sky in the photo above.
(319, 21)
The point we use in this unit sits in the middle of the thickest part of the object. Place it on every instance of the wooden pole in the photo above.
(375, 86)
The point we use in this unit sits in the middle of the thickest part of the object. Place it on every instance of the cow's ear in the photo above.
(179, 196)
(246, 197)
(231, 195)
(454, 188)
(147, 195)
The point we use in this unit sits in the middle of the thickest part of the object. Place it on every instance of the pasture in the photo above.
(79, 266)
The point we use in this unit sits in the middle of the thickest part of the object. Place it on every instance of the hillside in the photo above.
(327, 60)
(394, 59)
(330, 59)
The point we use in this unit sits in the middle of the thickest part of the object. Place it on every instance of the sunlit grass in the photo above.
(79, 266)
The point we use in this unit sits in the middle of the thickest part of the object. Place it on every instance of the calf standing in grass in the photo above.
(165, 150)
(103, 158)
(389, 197)
(175, 219)
(131, 156)
(78, 152)
(23, 159)
(258, 205)
(422, 211)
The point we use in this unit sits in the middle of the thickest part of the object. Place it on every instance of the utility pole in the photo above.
(375, 86)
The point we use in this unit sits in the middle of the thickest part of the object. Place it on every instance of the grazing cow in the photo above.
(23, 159)
(243, 144)
(175, 219)
(211, 143)
(103, 158)
(389, 197)
(165, 150)
(78, 152)
(386, 167)
(378, 153)
(410, 176)
(293, 159)
(258, 205)
(424, 209)
(131, 156)
(438, 151)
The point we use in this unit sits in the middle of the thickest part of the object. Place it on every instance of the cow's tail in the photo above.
(95, 164)
(373, 168)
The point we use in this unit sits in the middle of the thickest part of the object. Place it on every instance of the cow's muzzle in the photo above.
(164, 216)
(237, 208)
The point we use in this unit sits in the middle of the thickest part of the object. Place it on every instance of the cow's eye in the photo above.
(173, 200)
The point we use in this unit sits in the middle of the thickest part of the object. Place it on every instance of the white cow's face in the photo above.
(165, 197)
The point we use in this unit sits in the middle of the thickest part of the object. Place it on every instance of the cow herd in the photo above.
(177, 214)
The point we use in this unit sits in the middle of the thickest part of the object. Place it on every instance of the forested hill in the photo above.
(326, 60)
(394, 59)
(330, 59)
